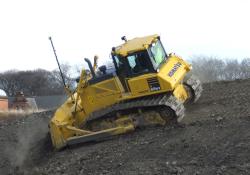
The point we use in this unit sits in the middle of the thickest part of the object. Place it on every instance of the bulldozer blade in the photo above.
(95, 136)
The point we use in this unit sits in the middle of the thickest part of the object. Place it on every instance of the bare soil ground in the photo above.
(214, 138)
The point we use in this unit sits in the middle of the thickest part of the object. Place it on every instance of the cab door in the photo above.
(132, 70)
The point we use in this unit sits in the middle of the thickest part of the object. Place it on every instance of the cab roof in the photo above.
(134, 45)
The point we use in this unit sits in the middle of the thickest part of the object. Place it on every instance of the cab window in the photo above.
(134, 64)
(139, 63)
(131, 61)
(158, 54)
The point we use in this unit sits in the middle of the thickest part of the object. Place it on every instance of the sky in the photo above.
(83, 28)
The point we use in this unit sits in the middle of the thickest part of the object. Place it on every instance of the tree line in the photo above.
(38, 82)
(214, 69)
(42, 82)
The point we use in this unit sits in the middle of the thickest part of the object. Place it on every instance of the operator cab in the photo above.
(137, 57)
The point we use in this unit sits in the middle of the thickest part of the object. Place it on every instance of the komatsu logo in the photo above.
(155, 88)
(175, 68)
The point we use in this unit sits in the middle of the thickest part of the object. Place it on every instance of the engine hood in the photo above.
(173, 71)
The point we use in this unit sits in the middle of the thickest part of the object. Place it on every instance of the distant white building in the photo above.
(2, 93)
(3, 101)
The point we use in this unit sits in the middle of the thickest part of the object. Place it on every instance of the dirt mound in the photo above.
(214, 138)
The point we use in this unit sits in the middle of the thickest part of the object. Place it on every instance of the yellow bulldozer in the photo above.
(146, 87)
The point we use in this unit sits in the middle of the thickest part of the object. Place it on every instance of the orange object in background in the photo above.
(3, 103)
(20, 102)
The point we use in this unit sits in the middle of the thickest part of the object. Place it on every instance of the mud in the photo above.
(214, 138)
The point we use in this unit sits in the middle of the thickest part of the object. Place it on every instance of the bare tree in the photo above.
(67, 75)
(32, 83)
(245, 68)
(232, 70)
(215, 69)
(208, 68)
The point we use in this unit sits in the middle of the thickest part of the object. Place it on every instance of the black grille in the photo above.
(153, 84)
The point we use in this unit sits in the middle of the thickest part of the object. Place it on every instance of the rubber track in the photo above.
(147, 101)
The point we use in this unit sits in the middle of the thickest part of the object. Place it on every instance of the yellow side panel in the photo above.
(142, 85)
(101, 95)
(139, 85)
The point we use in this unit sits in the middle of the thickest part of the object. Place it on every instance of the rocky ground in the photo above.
(214, 138)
